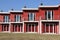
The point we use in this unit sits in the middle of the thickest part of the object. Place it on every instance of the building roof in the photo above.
(41, 6)
(9, 12)
(4, 13)
(15, 11)
(29, 8)
(49, 5)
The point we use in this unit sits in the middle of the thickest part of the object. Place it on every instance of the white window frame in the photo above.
(49, 27)
(16, 18)
(6, 18)
(31, 28)
(50, 15)
(31, 18)
(7, 29)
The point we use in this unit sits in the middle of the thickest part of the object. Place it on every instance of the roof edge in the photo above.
(49, 6)
(29, 8)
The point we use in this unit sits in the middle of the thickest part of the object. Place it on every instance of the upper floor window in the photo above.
(49, 15)
(17, 18)
(6, 18)
(31, 17)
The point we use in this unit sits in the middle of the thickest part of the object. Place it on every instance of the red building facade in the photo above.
(42, 20)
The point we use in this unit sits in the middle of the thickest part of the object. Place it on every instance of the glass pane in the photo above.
(46, 15)
(6, 18)
(31, 16)
(49, 14)
(17, 18)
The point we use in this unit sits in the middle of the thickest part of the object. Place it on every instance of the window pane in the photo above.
(31, 16)
(17, 18)
(45, 14)
(49, 15)
(6, 18)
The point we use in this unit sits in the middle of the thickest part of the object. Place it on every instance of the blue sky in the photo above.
(6, 5)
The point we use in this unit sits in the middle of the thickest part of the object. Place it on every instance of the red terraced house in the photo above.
(42, 20)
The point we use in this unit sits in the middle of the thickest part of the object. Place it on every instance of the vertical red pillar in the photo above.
(11, 28)
(18, 28)
(55, 28)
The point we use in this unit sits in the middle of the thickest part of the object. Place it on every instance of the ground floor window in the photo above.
(17, 28)
(49, 28)
(5, 27)
(31, 27)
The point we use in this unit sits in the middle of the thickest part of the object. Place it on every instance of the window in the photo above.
(31, 27)
(31, 17)
(5, 27)
(17, 18)
(49, 15)
(17, 28)
(6, 18)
